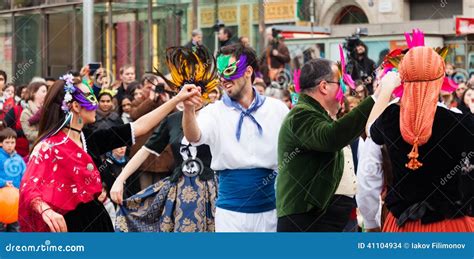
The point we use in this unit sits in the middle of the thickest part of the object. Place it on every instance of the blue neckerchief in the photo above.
(259, 100)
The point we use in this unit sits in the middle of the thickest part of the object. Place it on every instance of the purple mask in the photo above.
(231, 71)
(87, 101)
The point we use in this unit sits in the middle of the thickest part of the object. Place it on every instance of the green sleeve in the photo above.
(316, 133)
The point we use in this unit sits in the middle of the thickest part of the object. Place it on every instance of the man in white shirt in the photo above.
(369, 183)
(242, 132)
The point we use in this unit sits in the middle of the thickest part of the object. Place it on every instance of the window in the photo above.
(432, 9)
(351, 15)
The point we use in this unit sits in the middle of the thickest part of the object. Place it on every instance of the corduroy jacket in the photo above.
(310, 158)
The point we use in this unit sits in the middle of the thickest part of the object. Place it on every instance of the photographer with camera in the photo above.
(275, 56)
(360, 66)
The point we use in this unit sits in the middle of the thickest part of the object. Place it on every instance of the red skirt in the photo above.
(462, 224)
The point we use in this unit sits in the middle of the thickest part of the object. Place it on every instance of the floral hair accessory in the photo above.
(72, 93)
(69, 90)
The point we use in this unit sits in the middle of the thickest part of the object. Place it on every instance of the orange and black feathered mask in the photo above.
(191, 66)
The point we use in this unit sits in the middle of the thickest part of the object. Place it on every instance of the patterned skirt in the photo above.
(188, 205)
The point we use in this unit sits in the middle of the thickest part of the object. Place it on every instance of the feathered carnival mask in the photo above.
(345, 79)
(295, 88)
(393, 59)
(191, 66)
(72, 93)
(231, 71)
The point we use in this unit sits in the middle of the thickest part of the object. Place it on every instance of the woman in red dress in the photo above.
(61, 184)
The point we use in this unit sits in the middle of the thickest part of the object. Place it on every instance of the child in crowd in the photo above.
(12, 168)
(353, 102)
(286, 98)
(111, 168)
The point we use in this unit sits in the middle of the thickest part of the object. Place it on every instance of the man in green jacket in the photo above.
(310, 158)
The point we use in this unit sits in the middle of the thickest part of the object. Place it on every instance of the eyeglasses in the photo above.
(338, 83)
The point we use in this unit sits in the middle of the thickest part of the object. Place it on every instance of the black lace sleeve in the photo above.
(104, 140)
(160, 138)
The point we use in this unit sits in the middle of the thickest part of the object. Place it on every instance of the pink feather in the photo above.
(341, 56)
(348, 79)
(296, 80)
(345, 77)
(417, 38)
(398, 92)
(449, 85)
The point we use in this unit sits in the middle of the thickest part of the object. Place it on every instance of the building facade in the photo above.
(386, 21)
(45, 37)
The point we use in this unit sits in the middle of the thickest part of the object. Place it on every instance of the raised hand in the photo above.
(391, 80)
(388, 83)
(191, 96)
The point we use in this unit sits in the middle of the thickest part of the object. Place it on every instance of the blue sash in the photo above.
(246, 190)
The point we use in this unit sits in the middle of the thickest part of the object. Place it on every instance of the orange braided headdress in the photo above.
(422, 72)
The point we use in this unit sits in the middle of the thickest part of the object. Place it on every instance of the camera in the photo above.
(276, 36)
(218, 25)
(93, 67)
(275, 33)
(160, 88)
(354, 40)
(350, 45)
